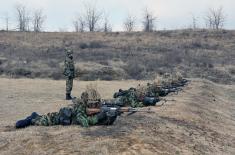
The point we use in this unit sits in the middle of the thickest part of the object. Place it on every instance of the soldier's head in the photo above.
(91, 98)
(69, 53)
(178, 76)
(166, 75)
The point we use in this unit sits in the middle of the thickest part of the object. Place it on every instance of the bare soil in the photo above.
(201, 120)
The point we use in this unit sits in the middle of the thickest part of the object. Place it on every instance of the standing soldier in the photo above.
(69, 72)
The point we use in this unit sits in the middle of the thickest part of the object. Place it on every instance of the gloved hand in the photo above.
(107, 115)
(101, 115)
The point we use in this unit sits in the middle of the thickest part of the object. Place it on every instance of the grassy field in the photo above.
(199, 121)
(115, 56)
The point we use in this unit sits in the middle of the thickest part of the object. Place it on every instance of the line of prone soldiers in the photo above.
(89, 109)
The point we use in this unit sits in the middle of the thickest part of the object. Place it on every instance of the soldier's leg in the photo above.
(46, 120)
(63, 117)
(69, 87)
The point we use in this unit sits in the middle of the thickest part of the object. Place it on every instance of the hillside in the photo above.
(114, 56)
(199, 121)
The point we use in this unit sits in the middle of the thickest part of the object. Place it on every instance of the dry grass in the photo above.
(116, 56)
(200, 121)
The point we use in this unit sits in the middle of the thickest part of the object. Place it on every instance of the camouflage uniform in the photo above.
(69, 72)
(128, 98)
(153, 90)
(66, 116)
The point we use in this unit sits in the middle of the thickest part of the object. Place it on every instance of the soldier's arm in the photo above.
(86, 121)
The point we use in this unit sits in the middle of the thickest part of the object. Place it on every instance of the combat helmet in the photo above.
(69, 51)
(91, 97)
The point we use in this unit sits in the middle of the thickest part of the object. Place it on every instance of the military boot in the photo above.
(68, 96)
(27, 121)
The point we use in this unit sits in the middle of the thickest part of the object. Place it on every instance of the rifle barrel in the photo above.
(92, 111)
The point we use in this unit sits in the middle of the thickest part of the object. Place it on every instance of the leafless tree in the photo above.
(79, 24)
(76, 25)
(129, 23)
(215, 18)
(107, 26)
(194, 22)
(37, 20)
(6, 20)
(22, 17)
(92, 17)
(149, 21)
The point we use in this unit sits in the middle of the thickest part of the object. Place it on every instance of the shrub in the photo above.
(83, 45)
(1, 70)
(22, 72)
(107, 77)
(134, 69)
(92, 44)
(56, 75)
(88, 77)
(210, 65)
(95, 44)
(232, 71)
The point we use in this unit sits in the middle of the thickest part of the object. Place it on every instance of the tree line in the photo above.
(92, 19)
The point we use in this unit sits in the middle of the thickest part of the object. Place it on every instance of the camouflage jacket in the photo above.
(69, 69)
(128, 98)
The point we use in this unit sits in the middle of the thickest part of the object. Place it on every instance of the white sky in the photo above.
(171, 14)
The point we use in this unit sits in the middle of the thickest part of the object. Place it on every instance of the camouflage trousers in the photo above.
(47, 120)
(69, 85)
(64, 117)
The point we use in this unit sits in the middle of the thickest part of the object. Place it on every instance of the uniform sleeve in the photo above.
(86, 121)
(93, 120)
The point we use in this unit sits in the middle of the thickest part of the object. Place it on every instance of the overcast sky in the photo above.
(171, 14)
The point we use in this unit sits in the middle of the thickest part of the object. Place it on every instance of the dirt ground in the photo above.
(201, 120)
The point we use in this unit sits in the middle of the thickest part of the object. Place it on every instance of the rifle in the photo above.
(178, 84)
(114, 108)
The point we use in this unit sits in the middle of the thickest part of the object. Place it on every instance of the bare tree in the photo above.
(92, 17)
(107, 26)
(22, 17)
(129, 23)
(6, 20)
(215, 18)
(76, 26)
(149, 21)
(194, 22)
(79, 24)
(38, 20)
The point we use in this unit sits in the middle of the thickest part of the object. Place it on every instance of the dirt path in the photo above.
(200, 121)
